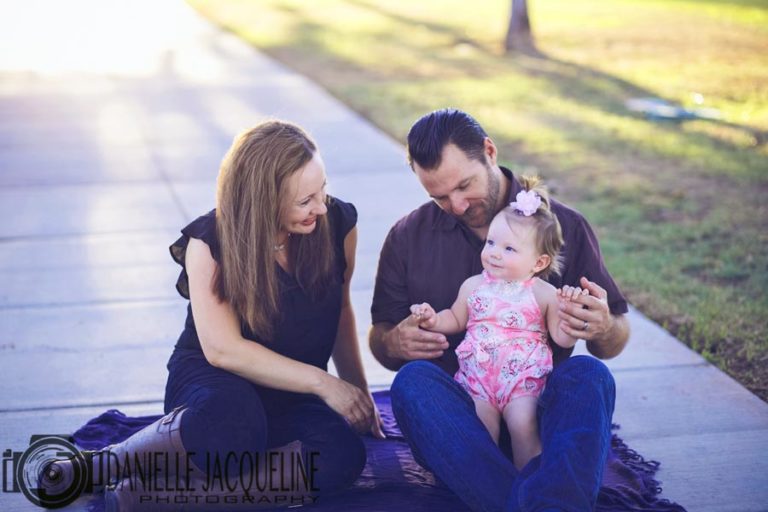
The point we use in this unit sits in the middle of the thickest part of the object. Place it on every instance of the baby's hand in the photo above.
(425, 315)
(569, 293)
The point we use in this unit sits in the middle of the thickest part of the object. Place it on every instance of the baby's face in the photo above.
(510, 250)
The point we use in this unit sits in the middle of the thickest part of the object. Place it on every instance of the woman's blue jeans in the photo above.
(438, 419)
(229, 414)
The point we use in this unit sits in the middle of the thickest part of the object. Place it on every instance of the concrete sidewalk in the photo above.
(111, 131)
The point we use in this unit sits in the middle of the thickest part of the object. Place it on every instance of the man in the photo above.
(425, 258)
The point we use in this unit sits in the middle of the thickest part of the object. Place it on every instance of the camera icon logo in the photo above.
(41, 481)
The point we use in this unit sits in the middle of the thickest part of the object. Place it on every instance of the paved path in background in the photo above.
(111, 131)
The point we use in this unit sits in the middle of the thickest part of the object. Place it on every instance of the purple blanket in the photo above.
(392, 480)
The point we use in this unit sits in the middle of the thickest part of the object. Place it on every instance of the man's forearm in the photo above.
(379, 342)
(613, 342)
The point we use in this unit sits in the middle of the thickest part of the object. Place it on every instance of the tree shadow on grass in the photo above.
(609, 93)
(573, 81)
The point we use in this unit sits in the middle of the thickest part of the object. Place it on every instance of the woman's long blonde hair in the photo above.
(251, 193)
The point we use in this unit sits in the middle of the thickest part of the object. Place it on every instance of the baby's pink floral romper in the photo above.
(504, 354)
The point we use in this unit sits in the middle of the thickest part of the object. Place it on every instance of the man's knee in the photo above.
(584, 375)
(411, 378)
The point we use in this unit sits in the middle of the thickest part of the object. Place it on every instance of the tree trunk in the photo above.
(519, 37)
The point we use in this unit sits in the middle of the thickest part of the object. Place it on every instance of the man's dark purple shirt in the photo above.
(429, 253)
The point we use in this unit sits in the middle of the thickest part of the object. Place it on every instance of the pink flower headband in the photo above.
(526, 202)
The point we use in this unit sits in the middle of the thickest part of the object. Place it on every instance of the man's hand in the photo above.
(586, 315)
(406, 341)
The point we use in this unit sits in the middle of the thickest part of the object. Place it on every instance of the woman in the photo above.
(267, 274)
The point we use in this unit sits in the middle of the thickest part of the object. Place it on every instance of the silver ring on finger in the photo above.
(586, 326)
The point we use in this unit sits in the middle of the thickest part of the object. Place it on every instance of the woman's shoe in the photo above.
(154, 452)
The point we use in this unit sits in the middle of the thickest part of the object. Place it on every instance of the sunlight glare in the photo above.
(51, 37)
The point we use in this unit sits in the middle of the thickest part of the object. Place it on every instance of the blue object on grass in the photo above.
(658, 109)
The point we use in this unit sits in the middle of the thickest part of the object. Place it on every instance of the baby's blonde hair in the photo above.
(548, 234)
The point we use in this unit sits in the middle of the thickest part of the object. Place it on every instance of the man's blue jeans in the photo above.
(438, 419)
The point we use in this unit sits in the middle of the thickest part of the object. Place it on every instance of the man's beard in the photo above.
(481, 215)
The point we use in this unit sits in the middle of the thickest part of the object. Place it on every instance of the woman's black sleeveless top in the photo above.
(306, 329)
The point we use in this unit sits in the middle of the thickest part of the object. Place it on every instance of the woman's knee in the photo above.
(340, 458)
(225, 419)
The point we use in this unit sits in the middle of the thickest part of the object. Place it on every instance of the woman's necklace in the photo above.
(281, 247)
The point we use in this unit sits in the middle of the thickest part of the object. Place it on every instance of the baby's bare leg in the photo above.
(490, 418)
(520, 416)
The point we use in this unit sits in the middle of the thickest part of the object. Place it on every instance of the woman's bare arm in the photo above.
(218, 329)
(346, 348)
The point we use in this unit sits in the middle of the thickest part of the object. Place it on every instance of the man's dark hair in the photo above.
(430, 134)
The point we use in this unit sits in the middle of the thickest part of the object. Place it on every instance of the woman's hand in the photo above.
(377, 425)
(355, 405)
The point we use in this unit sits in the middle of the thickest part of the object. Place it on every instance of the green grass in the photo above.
(679, 208)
